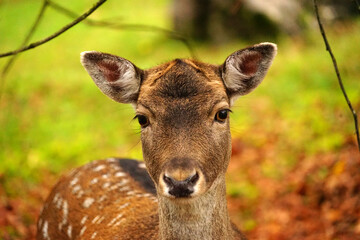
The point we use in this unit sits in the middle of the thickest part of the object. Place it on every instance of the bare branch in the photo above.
(337, 73)
(61, 31)
(28, 36)
(133, 27)
(11, 61)
(78, 19)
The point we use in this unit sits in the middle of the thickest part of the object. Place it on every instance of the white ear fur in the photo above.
(245, 69)
(116, 77)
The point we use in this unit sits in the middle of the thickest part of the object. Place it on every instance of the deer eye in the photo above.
(143, 120)
(222, 115)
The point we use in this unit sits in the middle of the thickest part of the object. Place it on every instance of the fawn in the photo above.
(179, 191)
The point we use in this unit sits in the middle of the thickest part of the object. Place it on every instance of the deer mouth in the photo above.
(190, 187)
(181, 189)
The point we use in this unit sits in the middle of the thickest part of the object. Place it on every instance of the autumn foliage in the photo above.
(318, 199)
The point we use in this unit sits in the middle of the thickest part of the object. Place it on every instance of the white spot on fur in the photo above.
(115, 219)
(88, 201)
(116, 167)
(93, 235)
(56, 197)
(99, 168)
(118, 223)
(45, 230)
(83, 220)
(94, 180)
(106, 185)
(69, 231)
(124, 181)
(80, 194)
(105, 176)
(82, 230)
(59, 203)
(124, 206)
(57, 200)
(74, 181)
(120, 174)
(130, 193)
(142, 165)
(76, 189)
(119, 185)
(144, 195)
(100, 220)
(65, 210)
(95, 219)
(124, 189)
(102, 198)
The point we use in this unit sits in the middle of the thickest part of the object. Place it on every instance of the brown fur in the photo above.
(186, 150)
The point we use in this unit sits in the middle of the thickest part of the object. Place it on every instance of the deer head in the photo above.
(183, 109)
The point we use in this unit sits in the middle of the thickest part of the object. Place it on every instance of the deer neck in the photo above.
(204, 217)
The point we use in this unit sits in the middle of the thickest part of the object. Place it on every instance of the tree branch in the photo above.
(27, 38)
(328, 48)
(61, 31)
(11, 61)
(78, 19)
(133, 27)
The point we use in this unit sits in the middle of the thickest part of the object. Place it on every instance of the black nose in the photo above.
(181, 188)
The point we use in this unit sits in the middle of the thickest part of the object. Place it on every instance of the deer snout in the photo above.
(181, 178)
(181, 188)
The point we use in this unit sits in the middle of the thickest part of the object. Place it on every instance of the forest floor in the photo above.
(318, 199)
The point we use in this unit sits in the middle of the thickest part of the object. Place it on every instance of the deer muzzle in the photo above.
(181, 179)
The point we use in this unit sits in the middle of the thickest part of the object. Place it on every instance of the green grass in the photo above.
(53, 117)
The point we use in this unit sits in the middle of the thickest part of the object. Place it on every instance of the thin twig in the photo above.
(11, 61)
(28, 36)
(133, 27)
(337, 73)
(61, 31)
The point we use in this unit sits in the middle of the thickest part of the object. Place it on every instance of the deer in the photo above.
(178, 191)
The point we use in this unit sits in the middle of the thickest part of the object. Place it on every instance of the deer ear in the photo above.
(116, 77)
(244, 70)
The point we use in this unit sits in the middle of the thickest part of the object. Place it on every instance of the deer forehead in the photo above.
(182, 86)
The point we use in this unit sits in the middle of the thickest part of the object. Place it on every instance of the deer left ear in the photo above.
(116, 77)
(245, 69)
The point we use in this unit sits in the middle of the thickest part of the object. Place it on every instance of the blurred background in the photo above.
(295, 169)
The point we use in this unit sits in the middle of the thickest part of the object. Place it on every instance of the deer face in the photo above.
(183, 108)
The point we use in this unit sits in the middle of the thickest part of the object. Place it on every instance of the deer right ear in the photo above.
(116, 77)
(245, 69)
